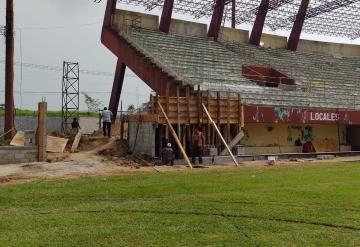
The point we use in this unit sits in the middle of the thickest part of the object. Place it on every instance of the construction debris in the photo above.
(18, 140)
(76, 142)
(56, 144)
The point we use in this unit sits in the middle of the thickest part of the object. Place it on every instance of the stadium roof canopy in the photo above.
(339, 18)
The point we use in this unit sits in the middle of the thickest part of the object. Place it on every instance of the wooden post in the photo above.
(121, 122)
(221, 137)
(239, 112)
(228, 134)
(41, 131)
(188, 104)
(178, 112)
(218, 121)
(208, 130)
(175, 136)
(167, 103)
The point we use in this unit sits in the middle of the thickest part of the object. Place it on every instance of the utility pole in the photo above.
(9, 70)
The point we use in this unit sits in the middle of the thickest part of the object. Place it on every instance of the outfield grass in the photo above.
(300, 205)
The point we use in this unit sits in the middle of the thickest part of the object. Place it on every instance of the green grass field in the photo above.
(299, 205)
(32, 113)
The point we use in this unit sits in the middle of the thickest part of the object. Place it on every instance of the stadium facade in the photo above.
(271, 94)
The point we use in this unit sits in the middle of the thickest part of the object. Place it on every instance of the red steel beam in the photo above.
(256, 32)
(216, 19)
(233, 14)
(141, 66)
(294, 38)
(117, 88)
(9, 70)
(109, 11)
(166, 16)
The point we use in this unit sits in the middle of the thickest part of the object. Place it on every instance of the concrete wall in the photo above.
(231, 34)
(335, 49)
(142, 138)
(280, 138)
(53, 124)
(15, 155)
(129, 18)
(30, 123)
(273, 41)
(188, 28)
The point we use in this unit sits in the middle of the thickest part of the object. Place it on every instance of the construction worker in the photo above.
(75, 126)
(167, 155)
(198, 143)
(106, 117)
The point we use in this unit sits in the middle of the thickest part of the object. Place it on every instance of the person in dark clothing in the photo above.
(167, 155)
(198, 143)
(75, 126)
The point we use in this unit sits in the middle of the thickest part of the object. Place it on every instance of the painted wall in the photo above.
(273, 41)
(128, 18)
(231, 34)
(335, 49)
(188, 28)
(280, 138)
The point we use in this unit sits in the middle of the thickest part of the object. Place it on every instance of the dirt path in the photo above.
(89, 163)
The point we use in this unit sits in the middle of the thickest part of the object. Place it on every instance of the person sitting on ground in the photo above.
(167, 155)
(198, 142)
(75, 126)
(106, 117)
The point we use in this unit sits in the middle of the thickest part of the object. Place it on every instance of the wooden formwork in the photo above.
(188, 110)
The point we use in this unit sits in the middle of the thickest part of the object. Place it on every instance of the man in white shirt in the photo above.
(106, 117)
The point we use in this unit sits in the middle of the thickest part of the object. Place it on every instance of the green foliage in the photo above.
(131, 109)
(297, 205)
(32, 113)
(92, 104)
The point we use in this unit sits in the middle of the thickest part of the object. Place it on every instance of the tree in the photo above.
(131, 109)
(92, 104)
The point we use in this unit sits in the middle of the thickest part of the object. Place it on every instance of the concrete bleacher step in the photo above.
(200, 61)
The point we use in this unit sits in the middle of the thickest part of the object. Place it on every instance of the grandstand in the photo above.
(311, 94)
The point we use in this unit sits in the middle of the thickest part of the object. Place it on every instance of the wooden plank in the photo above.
(221, 137)
(56, 144)
(175, 136)
(76, 142)
(325, 145)
(18, 140)
(233, 142)
(188, 102)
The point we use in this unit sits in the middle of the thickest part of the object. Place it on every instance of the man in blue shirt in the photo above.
(106, 117)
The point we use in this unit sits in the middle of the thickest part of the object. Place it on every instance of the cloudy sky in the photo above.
(49, 32)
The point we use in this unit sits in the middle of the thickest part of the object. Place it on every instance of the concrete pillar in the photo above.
(117, 87)
(216, 19)
(166, 16)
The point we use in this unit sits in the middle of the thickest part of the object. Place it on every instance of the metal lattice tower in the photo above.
(70, 94)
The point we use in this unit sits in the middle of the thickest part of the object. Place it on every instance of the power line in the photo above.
(58, 68)
(60, 27)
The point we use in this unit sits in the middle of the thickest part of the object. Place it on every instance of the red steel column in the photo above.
(256, 32)
(9, 70)
(233, 14)
(110, 10)
(216, 19)
(294, 38)
(117, 87)
(166, 16)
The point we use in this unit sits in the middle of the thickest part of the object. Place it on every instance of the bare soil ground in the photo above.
(102, 156)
